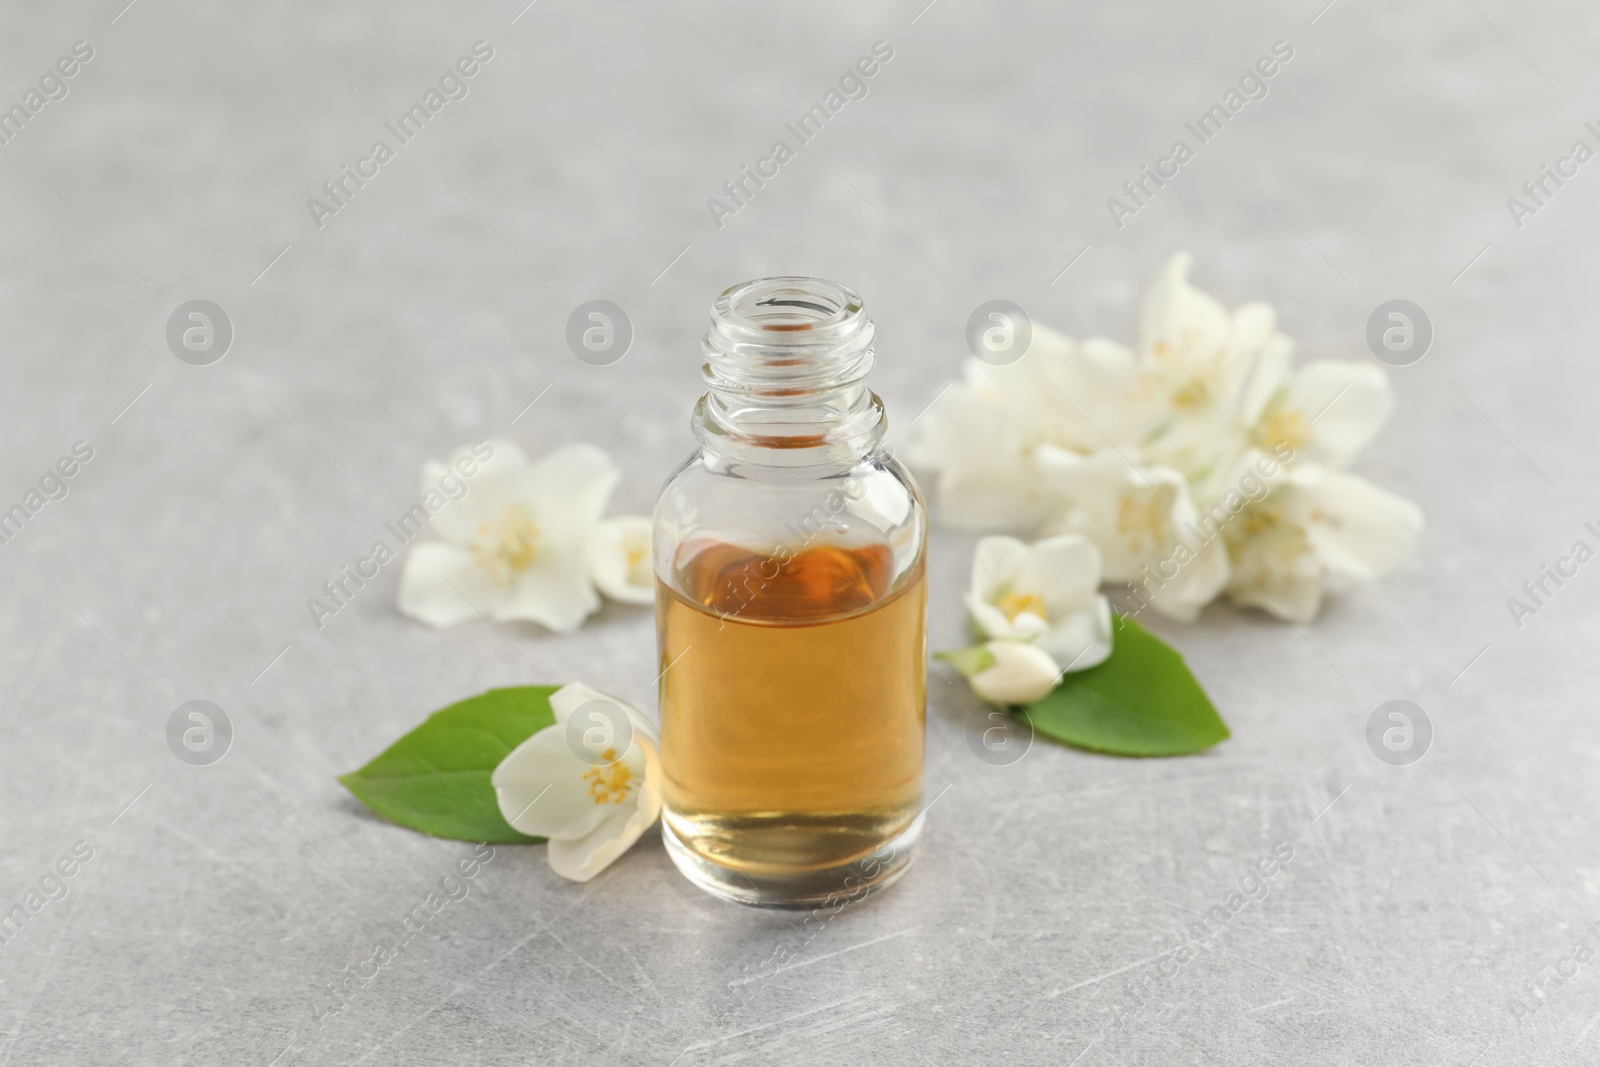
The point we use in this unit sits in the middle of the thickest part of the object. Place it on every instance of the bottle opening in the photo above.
(786, 305)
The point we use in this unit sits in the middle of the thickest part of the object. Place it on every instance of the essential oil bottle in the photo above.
(791, 612)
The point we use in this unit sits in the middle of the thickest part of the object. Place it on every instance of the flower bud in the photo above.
(1019, 673)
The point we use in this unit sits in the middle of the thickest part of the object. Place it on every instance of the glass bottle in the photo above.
(790, 612)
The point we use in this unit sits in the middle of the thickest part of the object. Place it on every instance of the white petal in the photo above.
(1197, 443)
(1254, 327)
(994, 566)
(1243, 475)
(442, 585)
(931, 436)
(995, 562)
(1021, 674)
(1179, 321)
(1063, 571)
(494, 485)
(554, 590)
(973, 444)
(1009, 498)
(1082, 639)
(990, 621)
(1349, 402)
(1097, 476)
(573, 695)
(567, 492)
(1097, 392)
(541, 789)
(1274, 563)
(1196, 583)
(1255, 343)
(1130, 513)
(1027, 626)
(1288, 596)
(1267, 379)
(619, 559)
(1024, 407)
(1358, 530)
(1193, 567)
(583, 858)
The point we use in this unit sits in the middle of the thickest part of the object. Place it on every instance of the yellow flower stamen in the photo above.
(507, 546)
(1283, 426)
(1263, 528)
(1013, 604)
(1196, 394)
(611, 783)
(1142, 521)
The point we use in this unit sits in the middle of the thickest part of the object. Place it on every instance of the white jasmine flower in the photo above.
(1043, 594)
(513, 547)
(1189, 339)
(1324, 412)
(1144, 522)
(1007, 672)
(620, 562)
(1204, 359)
(1140, 451)
(590, 812)
(1083, 396)
(1318, 529)
(983, 477)
(980, 434)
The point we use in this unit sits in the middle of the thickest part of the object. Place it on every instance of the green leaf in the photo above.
(436, 778)
(968, 661)
(1142, 701)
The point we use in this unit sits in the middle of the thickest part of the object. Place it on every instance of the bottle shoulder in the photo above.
(877, 479)
(707, 501)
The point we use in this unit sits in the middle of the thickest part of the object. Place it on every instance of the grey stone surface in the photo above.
(221, 900)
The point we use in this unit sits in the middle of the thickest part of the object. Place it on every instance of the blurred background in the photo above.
(431, 309)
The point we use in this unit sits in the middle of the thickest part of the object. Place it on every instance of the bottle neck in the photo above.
(785, 373)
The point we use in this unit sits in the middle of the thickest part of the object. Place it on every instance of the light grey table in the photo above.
(220, 901)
